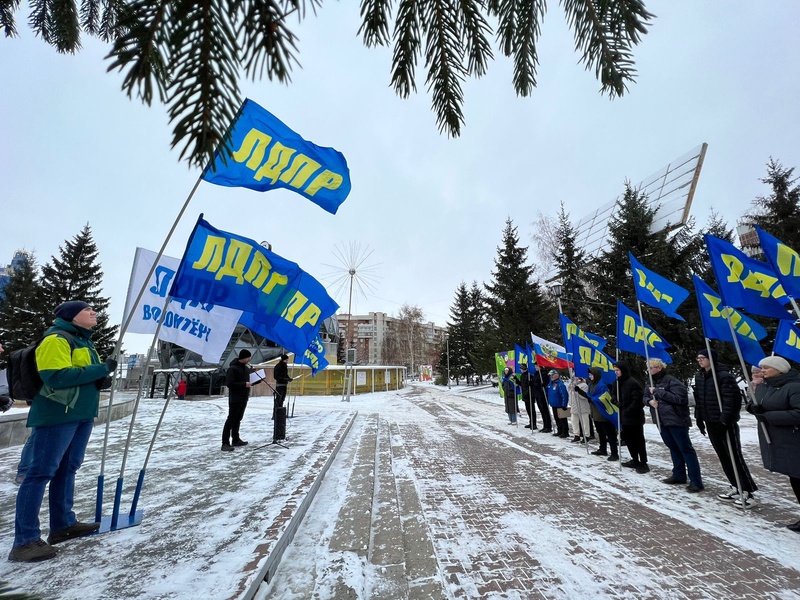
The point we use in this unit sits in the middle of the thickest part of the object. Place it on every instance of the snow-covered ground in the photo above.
(205, 512)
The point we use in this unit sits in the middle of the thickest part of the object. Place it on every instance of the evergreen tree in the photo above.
(778, 213)
(570, 262)
(462, 335)
(77, 275)
(515, 303)
(671, 255)
(481, 356)
(22, 321)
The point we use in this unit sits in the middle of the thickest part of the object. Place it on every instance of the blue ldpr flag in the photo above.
(587, 356)
(787, 341)
(520, 358)
(314, 355)
(657, 291)
(225, 269)
(715, 324)
(264, 154)
(745, 282)
(633, 334)
(784, 261)
(570, 330)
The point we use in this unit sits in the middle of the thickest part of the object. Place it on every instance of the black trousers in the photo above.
(278, 398)
(634, 440)
(544, 410)
(530, 408)
(606, 435)
(235, 416)
(718, 435)
(795, 481)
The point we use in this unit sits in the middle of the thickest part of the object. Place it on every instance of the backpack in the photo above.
(24, 381)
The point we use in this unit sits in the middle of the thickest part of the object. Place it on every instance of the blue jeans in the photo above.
(57, 455)
(512, 417)
(26, 458)
(683, 455)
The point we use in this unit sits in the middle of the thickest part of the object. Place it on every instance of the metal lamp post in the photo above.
(556, 288)
(447, 343)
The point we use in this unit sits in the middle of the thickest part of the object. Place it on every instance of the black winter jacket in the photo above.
(673, 400)
(236, 378)
(705, 395)
(627, 394)
(780, 398)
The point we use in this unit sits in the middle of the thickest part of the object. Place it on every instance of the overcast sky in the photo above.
(74, 149)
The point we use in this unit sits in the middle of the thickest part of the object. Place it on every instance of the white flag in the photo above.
(203, 329)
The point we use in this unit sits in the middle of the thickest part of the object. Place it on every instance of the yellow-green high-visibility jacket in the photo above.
(69, 392)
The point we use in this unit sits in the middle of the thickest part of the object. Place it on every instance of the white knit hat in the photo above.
(776, 362)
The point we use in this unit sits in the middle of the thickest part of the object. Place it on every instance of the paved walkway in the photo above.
(493, 511)
(429, 495)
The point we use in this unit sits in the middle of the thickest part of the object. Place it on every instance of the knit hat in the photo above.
(704, 352)
(69, 310)
(284, 357)
(244, 353)
(552, 372)
(523, 367)
(776, 362)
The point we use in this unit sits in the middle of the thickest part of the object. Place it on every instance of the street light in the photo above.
(556, 288)
(447, 343)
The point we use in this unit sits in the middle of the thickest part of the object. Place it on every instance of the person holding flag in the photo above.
(627, 393)
(606, 432)
(526, 384)
(558, 399)
(777, 410)
(539, 389)
(508, 384)
(719, 415)
(669, 397)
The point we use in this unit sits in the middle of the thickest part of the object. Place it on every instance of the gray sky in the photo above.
(74, 149)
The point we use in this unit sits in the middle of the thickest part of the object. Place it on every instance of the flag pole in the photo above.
(140, 481)
(734, 463)
(115, 352)
(619, 416)
(750, 392)
(129, 318)
(647, 360)
(120, 479)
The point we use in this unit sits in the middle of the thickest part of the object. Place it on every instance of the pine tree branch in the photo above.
(7, 22)
(64, 26)
(267, 42)
(143, 48)
(474, 32)
(204, 94)
(375, 17)
(605, 32)
(443, 55)
(406, 47)
(529, 13)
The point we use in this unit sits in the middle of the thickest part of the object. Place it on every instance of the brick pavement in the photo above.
(543, 528)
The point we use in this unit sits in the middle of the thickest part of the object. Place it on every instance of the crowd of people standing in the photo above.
(773, 398)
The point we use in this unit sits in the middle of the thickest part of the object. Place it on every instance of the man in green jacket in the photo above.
(61, 415)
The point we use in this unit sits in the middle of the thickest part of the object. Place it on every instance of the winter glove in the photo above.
(5, 403)
(754, 409)
(701, 426)
(111, 364)
(104, 383)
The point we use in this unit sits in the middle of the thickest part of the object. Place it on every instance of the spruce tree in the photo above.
(779, 213)
(570, 262)
(462, 335)
(515, 303)
(77, 275)
(22, 321)
(671, 255)
(481, 356)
